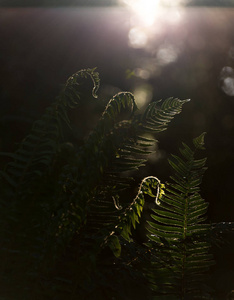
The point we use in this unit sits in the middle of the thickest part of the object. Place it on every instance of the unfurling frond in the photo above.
(37, 151)
(65, 212)
(70, 95)
(129, 216)
(120, 147)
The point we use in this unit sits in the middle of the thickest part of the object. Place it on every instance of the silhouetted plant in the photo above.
(67, 233)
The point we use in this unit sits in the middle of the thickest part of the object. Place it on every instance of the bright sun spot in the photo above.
(144, 9)
(147, 10)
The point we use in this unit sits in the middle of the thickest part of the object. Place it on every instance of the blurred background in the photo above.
(153, 48)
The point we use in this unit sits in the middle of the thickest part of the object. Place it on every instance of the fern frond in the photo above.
(70, 95)
(80, 182)
(118, 146)
(82, 198)
(177, 228)
(156, 118)
(129, 216)
(37, 151)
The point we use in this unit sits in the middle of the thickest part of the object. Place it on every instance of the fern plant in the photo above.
(61, 207)
(177, 229)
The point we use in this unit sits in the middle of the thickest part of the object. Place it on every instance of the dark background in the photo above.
(42, 46)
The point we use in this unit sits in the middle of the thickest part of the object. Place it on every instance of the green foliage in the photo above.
(37, 151)
(68, 232)
(178, 230)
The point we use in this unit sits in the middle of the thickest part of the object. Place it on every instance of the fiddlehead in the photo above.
(37, 151)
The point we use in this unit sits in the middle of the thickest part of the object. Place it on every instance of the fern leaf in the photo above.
(176, 229)
(37, 151)
(70, 89)
(130, 216)
(157, 118)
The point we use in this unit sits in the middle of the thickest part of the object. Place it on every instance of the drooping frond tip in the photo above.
(199, 141)
(84, 73)
(157, 117)
(119, 102)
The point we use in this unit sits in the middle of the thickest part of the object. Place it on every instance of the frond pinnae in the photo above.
(178, 232)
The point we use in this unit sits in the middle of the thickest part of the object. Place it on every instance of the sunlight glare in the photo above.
(137, 37)
(173, 3)
(144, 9)
(227, 80)
(167, 54)
(147, 10)
(143, 94)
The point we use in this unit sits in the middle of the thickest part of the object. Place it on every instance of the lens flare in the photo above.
(147, 10)
(144, 9)
(137, 37)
